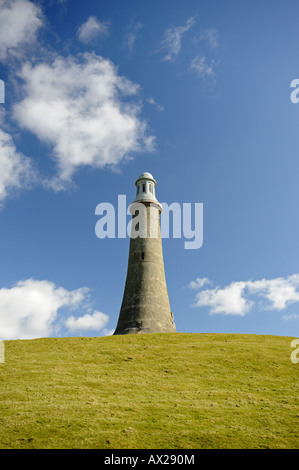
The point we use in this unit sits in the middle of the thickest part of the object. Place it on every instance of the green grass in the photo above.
(159, 391)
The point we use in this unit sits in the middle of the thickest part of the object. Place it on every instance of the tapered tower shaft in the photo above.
(145, 307)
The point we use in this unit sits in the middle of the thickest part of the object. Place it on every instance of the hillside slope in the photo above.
(175, 390)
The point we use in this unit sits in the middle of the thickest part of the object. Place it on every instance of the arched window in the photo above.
(143, 188)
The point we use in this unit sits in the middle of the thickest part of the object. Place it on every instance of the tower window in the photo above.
(143, 188)
(138, 189)
(142, 256)
(151, 188)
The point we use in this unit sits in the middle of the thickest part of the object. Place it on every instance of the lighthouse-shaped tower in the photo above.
(145, 306)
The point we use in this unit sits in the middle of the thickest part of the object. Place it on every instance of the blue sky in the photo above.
(196, 93)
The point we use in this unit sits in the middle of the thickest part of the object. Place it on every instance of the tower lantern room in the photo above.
(145, 188)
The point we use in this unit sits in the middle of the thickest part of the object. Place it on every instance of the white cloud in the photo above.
(96, 321)
(280, 292)
(173, 39)
(20, 21)
(28, 309)
(91, 29)
(85, 112)
(130, 37)
(199, 282)
(238, 298)
(16, 170)
(229, 300)
(203, 70)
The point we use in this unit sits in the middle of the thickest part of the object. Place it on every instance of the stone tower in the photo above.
(145, 307)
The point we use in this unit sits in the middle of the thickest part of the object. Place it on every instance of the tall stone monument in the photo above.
(145, 307)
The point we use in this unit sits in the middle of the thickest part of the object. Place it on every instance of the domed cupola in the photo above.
(145, 191)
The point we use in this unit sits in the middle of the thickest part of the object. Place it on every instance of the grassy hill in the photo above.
(174, 390)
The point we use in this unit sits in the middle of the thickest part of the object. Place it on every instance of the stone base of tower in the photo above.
(143, 327)
(135, 330)
(131, 331)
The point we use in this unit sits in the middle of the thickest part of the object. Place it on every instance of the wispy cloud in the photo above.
(204, 71)
(209, 36)
(16, 170)
(172, 39)
(91, 29)
(291, 316)
(238, 298)
(204, 64)
(156, 105)
(130, 37)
